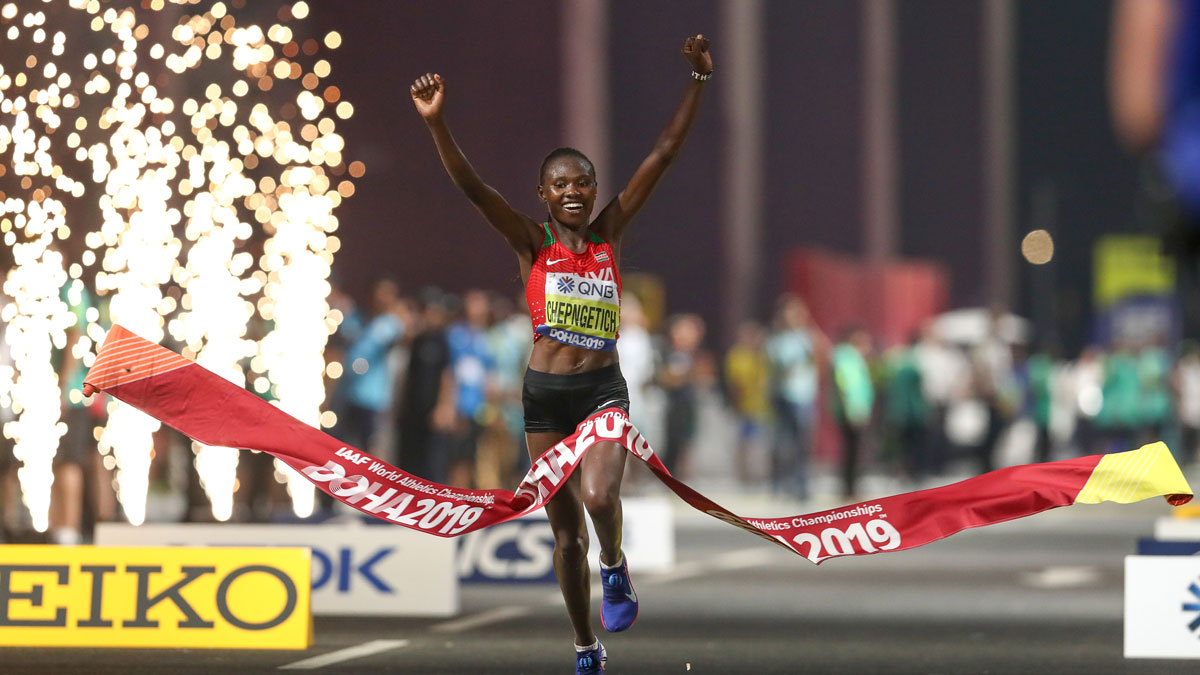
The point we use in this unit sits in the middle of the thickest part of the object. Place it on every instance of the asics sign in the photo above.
(520, 550)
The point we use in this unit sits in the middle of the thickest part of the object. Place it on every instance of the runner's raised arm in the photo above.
(619, 213)
(523, 235)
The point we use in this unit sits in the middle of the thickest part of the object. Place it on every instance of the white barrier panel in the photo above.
(356, 569)
(522, 550)
(1177, 529)
(1162, 607)
(648, 537)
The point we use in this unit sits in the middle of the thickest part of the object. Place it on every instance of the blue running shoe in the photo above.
(590, 661)
(620, 607)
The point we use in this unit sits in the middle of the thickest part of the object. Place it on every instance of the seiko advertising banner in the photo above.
(357, 569)
(92, 596)
(1162, 607)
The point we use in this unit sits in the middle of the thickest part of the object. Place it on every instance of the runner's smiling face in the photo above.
(569, 190)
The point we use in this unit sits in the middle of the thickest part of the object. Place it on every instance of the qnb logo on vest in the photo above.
(1193, 605)
(593, 286)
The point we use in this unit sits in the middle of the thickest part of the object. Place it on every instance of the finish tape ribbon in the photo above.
(214, 411)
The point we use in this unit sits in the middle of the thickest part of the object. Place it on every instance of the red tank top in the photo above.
(575, 298)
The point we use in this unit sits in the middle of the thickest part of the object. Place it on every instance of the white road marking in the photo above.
(746, 557)
(356, 652)
(1061, 576)
(482, 619)
(725, 562)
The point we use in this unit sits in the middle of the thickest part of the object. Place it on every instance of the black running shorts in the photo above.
(560, 402)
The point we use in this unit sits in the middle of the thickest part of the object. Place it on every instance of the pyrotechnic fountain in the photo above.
(202, 168)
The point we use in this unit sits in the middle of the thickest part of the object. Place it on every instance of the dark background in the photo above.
(501, 61)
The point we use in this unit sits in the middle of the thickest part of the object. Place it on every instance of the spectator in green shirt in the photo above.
(1154, 372)
(907, 412)
(1120, 413)
(852, 401)
(1040, 367)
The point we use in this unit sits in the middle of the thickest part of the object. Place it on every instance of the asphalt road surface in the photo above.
(1039, 595)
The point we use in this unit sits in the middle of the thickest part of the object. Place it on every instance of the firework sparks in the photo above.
(36, 320)
(298, 263)
(201, 144)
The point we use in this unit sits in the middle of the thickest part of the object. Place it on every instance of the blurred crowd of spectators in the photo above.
(431, 382)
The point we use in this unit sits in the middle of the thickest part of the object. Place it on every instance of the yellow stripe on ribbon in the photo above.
(1127, 477)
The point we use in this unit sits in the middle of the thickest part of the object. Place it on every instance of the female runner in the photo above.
(569, 264)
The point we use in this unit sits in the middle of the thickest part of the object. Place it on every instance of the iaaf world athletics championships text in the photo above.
(418, 486)
(801, 521)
